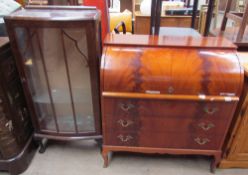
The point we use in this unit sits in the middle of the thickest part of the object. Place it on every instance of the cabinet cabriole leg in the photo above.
(43, 145)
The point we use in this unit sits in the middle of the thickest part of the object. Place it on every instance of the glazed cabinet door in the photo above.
(58, 71)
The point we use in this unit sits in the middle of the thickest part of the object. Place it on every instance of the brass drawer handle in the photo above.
(124, 123)
(210, 111)
(205, 126)
(125, 139)
(201, 141)
(126, 107)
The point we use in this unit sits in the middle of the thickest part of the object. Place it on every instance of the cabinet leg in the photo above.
(215, 162)
(105, 155)
(43, 145)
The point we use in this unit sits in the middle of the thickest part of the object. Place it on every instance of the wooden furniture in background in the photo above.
(57, 50)
(236, 154)
(239, 37)
(186, 108)
(15, 124)
(156, 8)
(142, 22)
(156, 16)
(126, 4)
(241, 18)
(203, 16)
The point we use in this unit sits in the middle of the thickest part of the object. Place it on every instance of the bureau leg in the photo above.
(43, 145)
(105, 155)
(216, 160)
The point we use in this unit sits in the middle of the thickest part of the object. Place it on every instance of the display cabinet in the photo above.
(57, 50)
(15, 124)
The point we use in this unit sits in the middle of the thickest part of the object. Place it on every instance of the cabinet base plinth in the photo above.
(19, 163)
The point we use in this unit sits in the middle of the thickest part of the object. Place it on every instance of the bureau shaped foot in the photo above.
(105, 155)
(216, 160)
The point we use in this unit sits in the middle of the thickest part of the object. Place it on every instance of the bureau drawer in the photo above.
(168, 108)
(174, 125)
(163, 140)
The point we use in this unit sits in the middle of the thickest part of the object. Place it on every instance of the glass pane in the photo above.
(56, 63)
(27, 42)
(77, 56)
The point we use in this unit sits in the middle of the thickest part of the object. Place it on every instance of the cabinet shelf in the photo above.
(62, 96)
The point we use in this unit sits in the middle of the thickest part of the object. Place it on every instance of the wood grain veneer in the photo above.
(168, 94)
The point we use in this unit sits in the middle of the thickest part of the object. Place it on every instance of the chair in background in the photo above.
(121, 22)
(240, 17)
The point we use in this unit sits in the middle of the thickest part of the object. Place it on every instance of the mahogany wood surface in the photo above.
(168, 41)
(160, 70)
(165, 94)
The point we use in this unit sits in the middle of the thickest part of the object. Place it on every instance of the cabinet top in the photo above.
(56, 13)
(169, 41)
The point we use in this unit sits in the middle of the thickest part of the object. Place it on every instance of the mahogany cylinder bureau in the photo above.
(57, 50)
(168, 94)
(15, 124)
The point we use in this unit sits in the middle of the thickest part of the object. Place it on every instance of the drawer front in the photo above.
(163, 140)
(153, 124)
(168, 109)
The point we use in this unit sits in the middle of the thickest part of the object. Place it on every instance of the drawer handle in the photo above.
(201, 141)
(170, 90)
(124, 123)
(205, 126)
(126, 107)
(125, 139)
(210, 111)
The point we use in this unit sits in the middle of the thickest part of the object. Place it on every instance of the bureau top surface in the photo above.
(3, 41)
(168, 41)
(56, 13)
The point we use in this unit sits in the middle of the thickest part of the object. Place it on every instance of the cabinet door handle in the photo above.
(205, 126)
(210, 111)
(124, 123)
(125, 139)
(126, 107)
(201, 141)
(170, 90)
